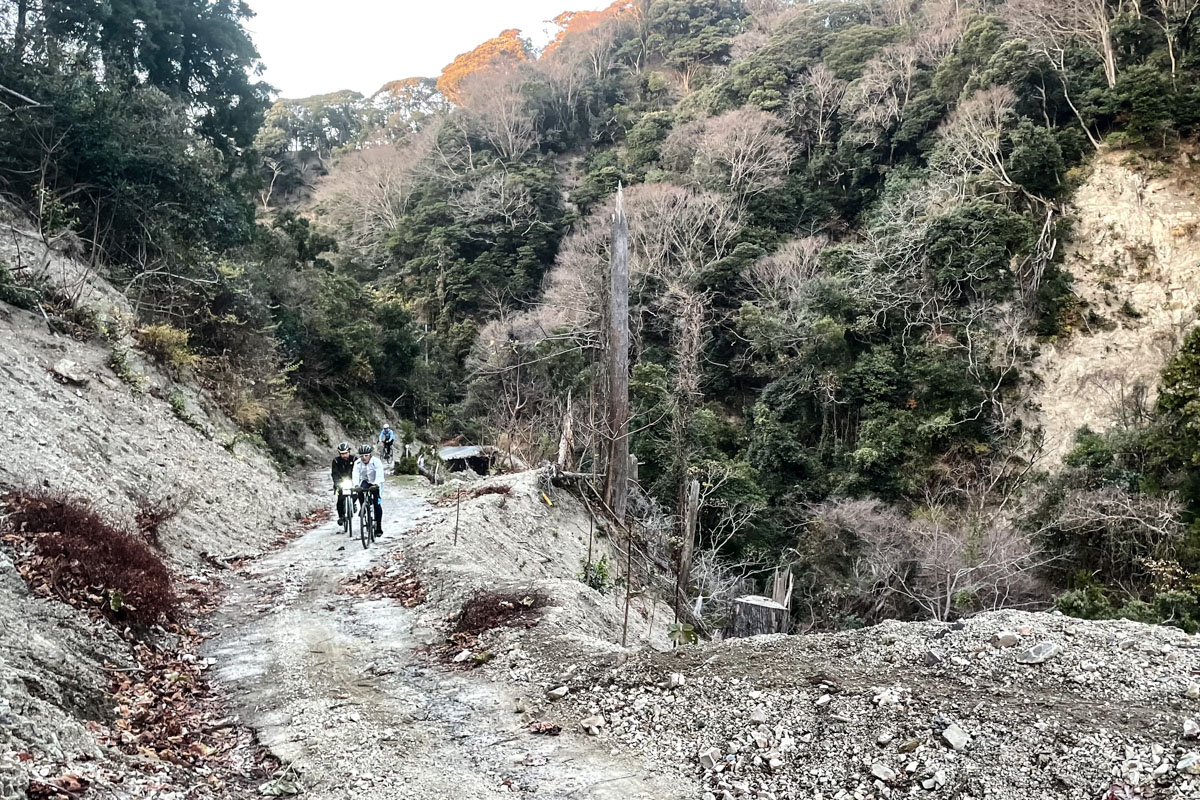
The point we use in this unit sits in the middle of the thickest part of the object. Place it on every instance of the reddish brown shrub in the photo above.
(485, 610)
(78, 554)
(152, 515)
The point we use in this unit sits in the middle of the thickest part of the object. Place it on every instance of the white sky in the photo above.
(316, 46)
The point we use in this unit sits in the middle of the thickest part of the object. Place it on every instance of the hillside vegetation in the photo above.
(848, 225)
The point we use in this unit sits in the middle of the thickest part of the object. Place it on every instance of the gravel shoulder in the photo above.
(336, 685)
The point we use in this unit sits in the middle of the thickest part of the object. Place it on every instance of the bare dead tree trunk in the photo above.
(754, 616)
(616, 490)
(690, 514)
(567, 443)
(19, 36)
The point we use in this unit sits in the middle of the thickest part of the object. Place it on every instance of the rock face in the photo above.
(866, 714)
(1134, 250)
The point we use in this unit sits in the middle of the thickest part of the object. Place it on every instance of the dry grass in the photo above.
(168, 345)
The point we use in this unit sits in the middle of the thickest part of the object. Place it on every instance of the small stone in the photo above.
(710, 758)
(909, 746)
(461, 657)
(759, 716)
(1005, 639)
(1127, 644)
(884, 739)
(956, 737)
(824, 699)
(1040, 653)
(592, 724)
(69, 372)
(959, 661)
(1193, 691)
(1190, 763)
(1191, 729)
(674, 681)
(933, 657)
(558, 694)
(883, 772)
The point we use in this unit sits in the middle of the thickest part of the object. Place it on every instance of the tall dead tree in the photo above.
(616, 488)
(691, 512)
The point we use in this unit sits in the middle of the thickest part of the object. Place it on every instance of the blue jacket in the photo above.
(387, 435)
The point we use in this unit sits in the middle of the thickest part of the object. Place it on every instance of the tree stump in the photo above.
(754, 615)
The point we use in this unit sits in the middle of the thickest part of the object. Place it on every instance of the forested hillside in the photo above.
(848, 226)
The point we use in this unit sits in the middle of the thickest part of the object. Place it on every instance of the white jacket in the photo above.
(371, 472)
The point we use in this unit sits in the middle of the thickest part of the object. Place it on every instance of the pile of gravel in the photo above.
(1004, 705)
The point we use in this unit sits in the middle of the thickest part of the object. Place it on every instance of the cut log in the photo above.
(754, 615)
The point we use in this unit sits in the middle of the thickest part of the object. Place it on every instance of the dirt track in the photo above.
(336, 686)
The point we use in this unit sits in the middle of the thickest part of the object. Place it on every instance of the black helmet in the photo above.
(344, 447)
(365, 450)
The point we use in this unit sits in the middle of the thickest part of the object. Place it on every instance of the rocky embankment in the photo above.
(1004, 705)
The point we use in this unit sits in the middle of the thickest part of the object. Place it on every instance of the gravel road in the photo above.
(336, 686)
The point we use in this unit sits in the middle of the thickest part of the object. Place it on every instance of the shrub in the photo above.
(596, 574)
(118, 362)
(153, 514)
(15, 294)
(179, 408)
(167, 345)
(485, 610)
(1089, 602)
(84, 558)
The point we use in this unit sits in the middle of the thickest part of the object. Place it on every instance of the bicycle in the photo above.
(345, 492)
(366, 516)
(387, 452)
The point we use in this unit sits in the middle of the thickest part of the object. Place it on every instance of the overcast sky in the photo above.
(317, 46)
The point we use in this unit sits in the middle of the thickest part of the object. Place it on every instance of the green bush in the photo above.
(1090, 602)
(596, 574)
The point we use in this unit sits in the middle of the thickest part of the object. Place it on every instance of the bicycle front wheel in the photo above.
(365, 520)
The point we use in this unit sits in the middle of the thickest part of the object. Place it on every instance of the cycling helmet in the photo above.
(386, 426)
(344, 447)
(365, 450)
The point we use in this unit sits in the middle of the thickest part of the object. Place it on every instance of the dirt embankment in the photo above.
(116, 432)
(1135, 258)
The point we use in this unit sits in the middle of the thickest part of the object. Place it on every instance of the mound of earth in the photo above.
(1004, 705)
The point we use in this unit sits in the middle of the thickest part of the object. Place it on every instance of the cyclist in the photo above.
(368, 476)
(387, 438)
(343, 470)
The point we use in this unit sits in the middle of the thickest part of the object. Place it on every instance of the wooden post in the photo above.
(628, 583)
(687, 547)
(457, 512)
(616, 489)
(754, 615)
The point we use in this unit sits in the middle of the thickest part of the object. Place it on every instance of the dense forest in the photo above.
(847, 227)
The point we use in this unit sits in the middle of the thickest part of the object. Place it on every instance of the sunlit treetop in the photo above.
(507, 47)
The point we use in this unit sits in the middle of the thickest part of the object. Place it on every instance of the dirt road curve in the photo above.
(335, 686)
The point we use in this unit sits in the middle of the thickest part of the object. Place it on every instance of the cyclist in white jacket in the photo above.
(368, 476)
